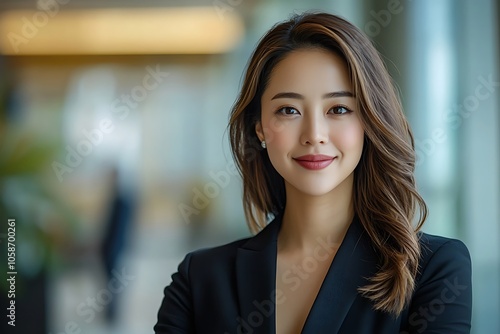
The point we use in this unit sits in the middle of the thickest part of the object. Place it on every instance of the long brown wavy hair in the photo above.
(385, 196)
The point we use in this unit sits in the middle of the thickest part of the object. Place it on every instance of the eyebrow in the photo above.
(292, 95)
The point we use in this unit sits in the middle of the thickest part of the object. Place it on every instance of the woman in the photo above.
(326, 154)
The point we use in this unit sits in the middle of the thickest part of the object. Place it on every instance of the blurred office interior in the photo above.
(115, 161)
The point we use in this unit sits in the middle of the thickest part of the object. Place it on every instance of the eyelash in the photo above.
(281, 109)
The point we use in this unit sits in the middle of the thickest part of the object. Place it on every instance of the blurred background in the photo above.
(114, 158)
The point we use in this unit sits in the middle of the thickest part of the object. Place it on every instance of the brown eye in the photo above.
(339, 110)
(288, 111)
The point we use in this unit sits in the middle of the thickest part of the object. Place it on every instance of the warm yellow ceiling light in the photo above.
(188, 30)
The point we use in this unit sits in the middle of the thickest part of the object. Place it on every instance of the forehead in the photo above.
(309, 70)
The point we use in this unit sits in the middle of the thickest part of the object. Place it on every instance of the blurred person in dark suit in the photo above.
(119, 223)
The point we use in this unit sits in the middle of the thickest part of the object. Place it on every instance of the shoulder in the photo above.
(224, 256)
(442, 253)
(221, 252)
(203, 275)
(442, 300)
(212, 259)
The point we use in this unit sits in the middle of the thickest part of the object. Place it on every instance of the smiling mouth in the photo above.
(314, 162)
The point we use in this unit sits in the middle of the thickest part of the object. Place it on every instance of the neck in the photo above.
(307, 218)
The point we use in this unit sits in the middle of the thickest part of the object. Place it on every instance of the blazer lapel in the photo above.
(256, 280)
(355, 260)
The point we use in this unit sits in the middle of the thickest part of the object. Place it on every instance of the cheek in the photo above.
(280, 145)
(274, 132)
(349, 137)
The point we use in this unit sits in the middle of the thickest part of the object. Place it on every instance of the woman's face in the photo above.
(310, 123)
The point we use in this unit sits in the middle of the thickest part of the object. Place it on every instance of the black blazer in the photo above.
(230, 289)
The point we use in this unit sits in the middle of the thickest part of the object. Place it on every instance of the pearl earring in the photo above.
(263, 144)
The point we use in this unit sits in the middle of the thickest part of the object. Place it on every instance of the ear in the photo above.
(259, 131)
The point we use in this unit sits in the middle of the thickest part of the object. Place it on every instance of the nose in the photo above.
(314, 130)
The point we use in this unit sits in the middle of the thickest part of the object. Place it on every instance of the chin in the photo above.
(317, 189)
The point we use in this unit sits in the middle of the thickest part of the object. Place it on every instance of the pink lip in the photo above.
(314, 162)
